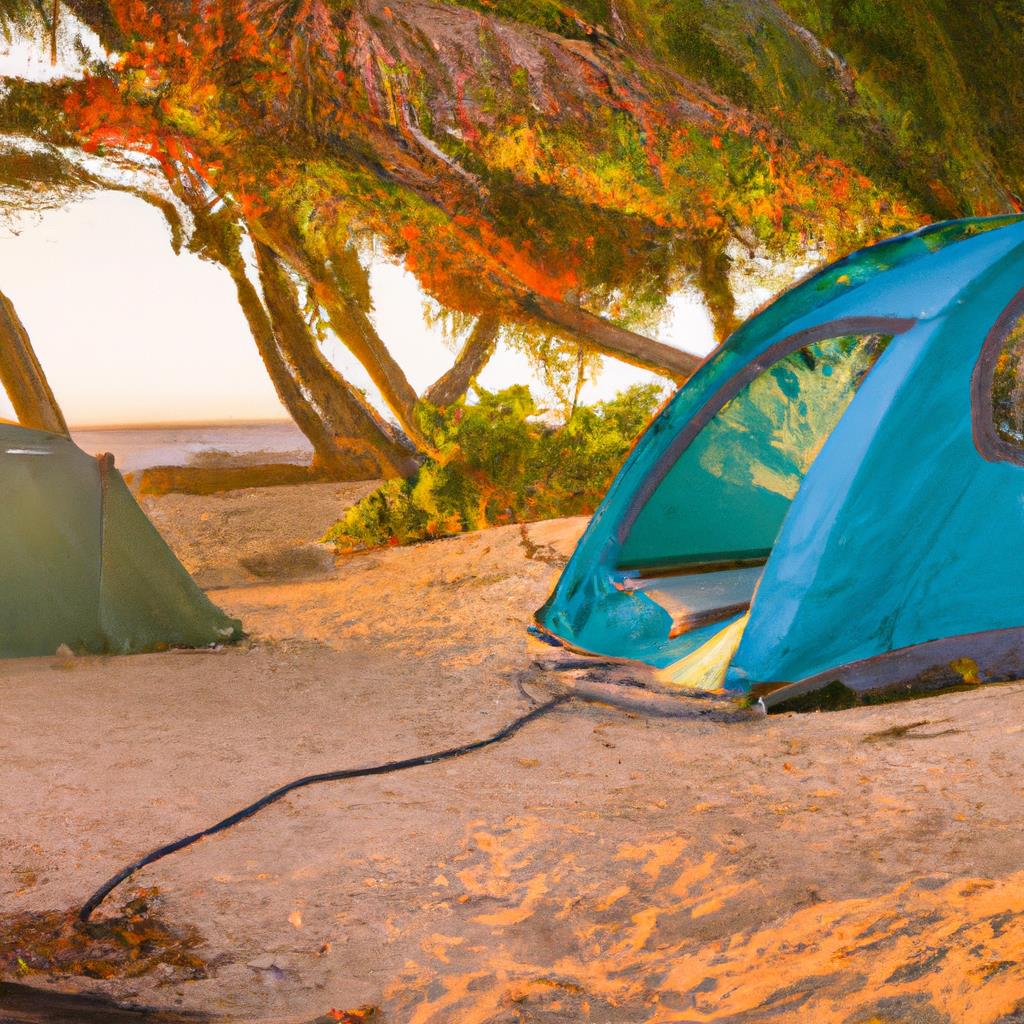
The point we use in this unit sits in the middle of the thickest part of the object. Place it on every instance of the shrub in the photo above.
(499, 462)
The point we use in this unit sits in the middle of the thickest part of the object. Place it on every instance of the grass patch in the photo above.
(160, 480)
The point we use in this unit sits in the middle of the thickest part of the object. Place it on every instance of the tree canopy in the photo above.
(552, 169)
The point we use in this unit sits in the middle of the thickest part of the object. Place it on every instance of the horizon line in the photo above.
(167, 424)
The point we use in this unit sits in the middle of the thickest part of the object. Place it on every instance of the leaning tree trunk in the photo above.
(334, 417)
(603, 336)
(342, 289)
(326, 454)
(337, 289)
(23, 378)
(344, 414)
(469, 363)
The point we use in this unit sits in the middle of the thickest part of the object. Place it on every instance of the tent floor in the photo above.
(700, 599)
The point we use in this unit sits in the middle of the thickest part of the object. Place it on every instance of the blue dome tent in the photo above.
(836, 495)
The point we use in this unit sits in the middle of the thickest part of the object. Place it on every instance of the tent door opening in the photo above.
(698, 545)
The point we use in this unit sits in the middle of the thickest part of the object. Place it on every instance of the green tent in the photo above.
(80, 563)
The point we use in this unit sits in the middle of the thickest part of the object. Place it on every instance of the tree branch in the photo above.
(346, 413)
(337, 288)
(597, 333)
(469, 363)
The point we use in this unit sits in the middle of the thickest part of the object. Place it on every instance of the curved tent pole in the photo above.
(990, 445)
(736, 383)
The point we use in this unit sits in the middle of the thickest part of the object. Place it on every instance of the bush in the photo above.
(500, 463)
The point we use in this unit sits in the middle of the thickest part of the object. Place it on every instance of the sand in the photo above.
(256, 533)
(858, 866)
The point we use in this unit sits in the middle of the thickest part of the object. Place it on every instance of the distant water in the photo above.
(233, 444)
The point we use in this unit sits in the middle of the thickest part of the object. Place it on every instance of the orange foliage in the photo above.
(242, 96)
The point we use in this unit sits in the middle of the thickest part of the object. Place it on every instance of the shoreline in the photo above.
(210, 445)
(77, 428)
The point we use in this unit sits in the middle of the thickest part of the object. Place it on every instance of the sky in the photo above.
(128, 332)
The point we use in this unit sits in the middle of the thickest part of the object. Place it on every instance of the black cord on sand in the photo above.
(347, 773)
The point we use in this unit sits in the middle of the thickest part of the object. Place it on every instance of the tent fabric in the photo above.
(748, 461)
(882, 500)
(80, 563)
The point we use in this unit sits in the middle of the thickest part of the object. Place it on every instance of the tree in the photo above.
(22, 376)
(560, 167)
(469, 363)
(336, 419)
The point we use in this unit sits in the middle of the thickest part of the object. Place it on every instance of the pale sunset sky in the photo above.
(130, 333)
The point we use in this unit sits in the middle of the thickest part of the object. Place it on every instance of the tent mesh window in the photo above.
(722, 503)
(1008, 386)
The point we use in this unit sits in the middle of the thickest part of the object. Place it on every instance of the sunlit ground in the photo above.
(597, 868)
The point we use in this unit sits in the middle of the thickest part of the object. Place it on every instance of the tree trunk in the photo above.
(54, 28)
(342, 413)
(326, 452)
(580, 380)
(337, 289)
(597, 333)
(333, 416)
(713, 266)
(23, 378)
(468, 364)
(342, 290)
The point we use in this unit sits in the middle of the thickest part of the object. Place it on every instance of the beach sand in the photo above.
(259, 533)
(857, 866)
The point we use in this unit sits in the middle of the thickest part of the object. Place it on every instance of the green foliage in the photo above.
(564, 367)
(942, 84)
(704, 39)
(31, 109)
(500, 463)
(22, 17)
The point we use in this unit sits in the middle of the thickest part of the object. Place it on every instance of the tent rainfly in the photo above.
(836, 495)
(80, 563)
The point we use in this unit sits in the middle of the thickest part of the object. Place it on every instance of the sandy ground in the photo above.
(256, 533)
(863, 866)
